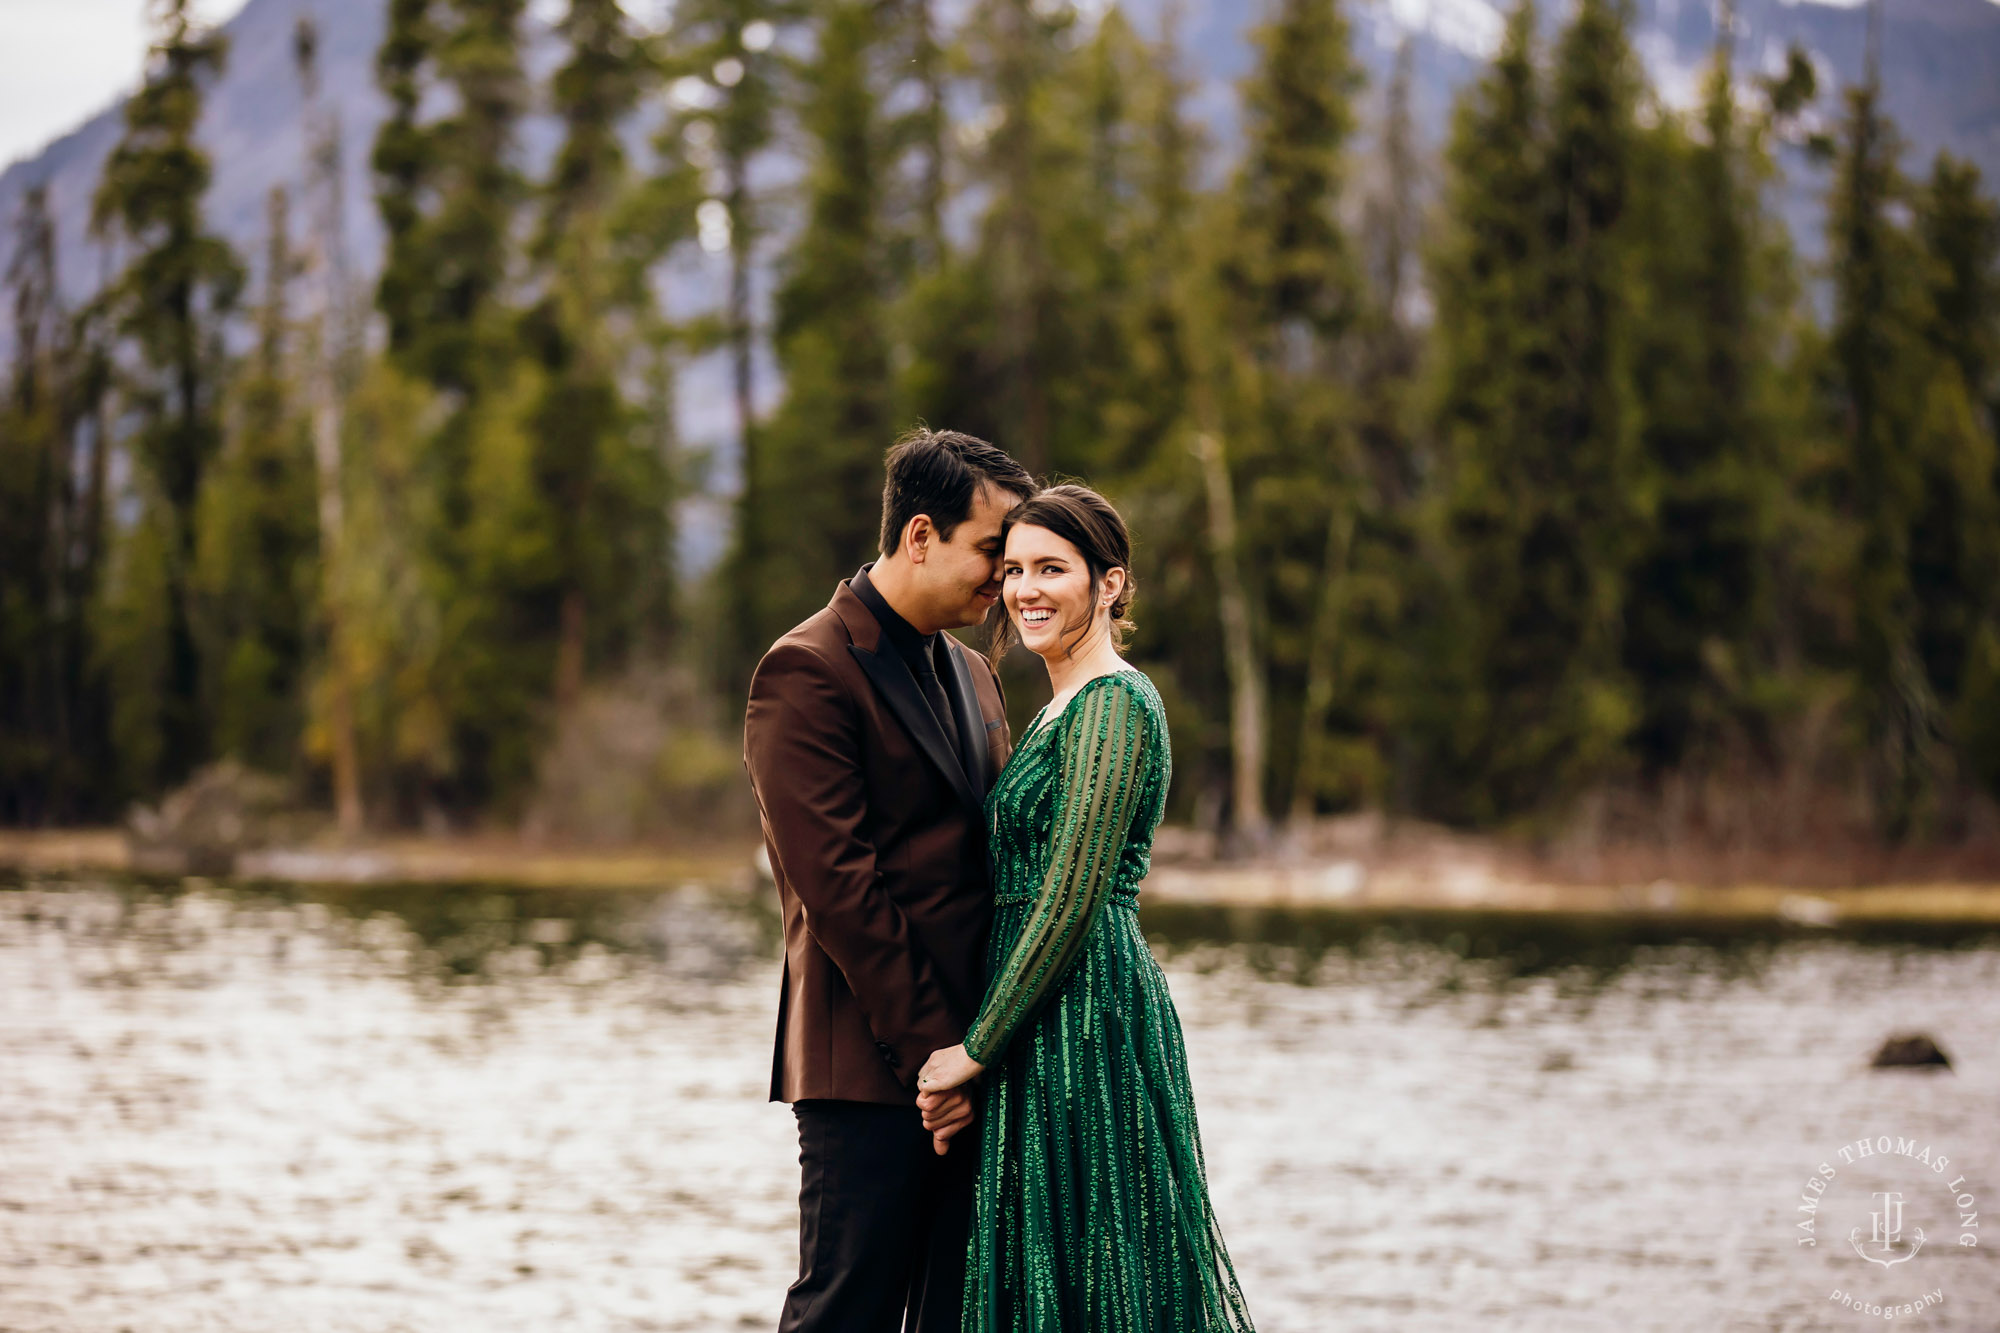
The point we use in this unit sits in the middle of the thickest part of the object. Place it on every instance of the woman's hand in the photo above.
(947, 1069)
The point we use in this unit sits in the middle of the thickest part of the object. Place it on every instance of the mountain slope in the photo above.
(1940, 64)
(251, 127)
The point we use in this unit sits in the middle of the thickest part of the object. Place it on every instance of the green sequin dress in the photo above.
(1092, 1211)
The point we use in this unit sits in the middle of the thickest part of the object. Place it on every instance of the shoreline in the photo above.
(1385, 881)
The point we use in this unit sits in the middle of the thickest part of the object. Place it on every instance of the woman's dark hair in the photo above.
(1086, 520)
(938, 472)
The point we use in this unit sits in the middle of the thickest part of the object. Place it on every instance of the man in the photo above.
(871, 739)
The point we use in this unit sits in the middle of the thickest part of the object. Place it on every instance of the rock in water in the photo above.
(1910, 1050)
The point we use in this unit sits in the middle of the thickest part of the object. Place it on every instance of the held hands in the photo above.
(943, 1098)
(947, 1069)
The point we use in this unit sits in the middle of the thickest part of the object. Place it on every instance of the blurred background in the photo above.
(1568, 419)
(1560, 443)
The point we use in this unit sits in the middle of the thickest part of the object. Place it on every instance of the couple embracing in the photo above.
(996, 1130)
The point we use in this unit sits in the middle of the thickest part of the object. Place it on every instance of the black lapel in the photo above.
(899, 689)
(971, 723)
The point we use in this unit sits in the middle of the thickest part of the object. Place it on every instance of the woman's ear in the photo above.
(1114, 585)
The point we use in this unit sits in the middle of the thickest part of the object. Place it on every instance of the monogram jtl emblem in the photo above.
(1888, 1232)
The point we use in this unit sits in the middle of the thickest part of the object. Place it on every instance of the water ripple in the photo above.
(230, 1108)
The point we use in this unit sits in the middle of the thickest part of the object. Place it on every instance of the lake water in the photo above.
(274, 1108)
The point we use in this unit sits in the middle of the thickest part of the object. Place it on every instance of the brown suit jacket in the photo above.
(877, 842)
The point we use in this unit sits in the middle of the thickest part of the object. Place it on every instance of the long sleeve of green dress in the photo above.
(1103, 745)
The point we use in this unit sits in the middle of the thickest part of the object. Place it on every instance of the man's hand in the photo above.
(945, 1075)
(946, 1113)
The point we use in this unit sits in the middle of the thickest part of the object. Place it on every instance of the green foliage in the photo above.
(170, 303)
(394, 634)
(1960, 231)
(1298, 116)
(1289, 298)
(1009, 339)
(819, 460)
(1624, 513)
(132, 632)
(1955, 545)
(1495, 363)
(606, 490)
(36, 515)
(256, 544)
(723, 66)
(1714, 297)
(449, 187)
(550, 502)
(1537, 404)
(450, 193)
(1879, 371)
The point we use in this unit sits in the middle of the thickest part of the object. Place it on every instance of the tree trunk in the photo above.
(569, 651)
(1020, 281)
(739, 304)
(751, 626)
(1246, 682)
(929, 73)
(340, 702)
(1322, 652)
(326, 202)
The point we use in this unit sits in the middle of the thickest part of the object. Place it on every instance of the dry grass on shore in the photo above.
(1359, 862)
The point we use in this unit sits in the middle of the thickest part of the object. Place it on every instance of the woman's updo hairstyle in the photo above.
(1086, 520)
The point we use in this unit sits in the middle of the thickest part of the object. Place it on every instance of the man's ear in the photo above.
(917, 538)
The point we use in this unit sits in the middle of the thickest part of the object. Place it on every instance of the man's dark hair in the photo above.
(938, 472)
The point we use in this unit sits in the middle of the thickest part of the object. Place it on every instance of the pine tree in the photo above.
(170, 302)
(1145, 423)
(449, 188)
(657, 213)
(1279, 440)
(1015, 339)
(1019, 41)
(1714, 271)
(450, 191)
(332, 347)
(37, 507)
(723, 64)
(1584, 545)
(822, 451)
(1391, 239)
(1159, 306)
(1091, 222)
(921, 131)
(257, 540)
(1878, 371)
(1534, 314)
(606, 489)
(1494, 359)
(1955, 541)
(1960, 230)
(93, 785)
(404, 163)
(1354, 666)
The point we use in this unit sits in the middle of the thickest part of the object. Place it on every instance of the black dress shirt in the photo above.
(922, 653)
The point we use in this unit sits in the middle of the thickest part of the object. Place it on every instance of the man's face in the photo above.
(961, 577)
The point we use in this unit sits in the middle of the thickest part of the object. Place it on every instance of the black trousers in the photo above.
(882, 1222)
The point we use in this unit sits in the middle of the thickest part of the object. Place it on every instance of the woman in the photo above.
(1092, 1212)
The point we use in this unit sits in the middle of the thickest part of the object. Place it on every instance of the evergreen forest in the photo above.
(1529, 480)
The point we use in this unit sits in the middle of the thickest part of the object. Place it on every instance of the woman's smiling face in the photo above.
(1045, 582)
